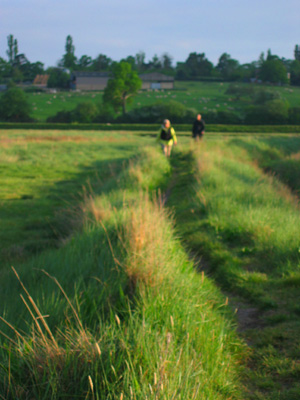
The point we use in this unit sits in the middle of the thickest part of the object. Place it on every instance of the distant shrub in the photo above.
(14, 106)
(294, 115)
(105, 113)
(222, 117)
(262, 96)
(239, 91)
(272, 112)
(84, 112)
(61, 117)
(158, 111)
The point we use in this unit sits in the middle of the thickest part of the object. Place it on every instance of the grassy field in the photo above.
(45, 175)
(196, 298)
(239, 218)
(203, 96)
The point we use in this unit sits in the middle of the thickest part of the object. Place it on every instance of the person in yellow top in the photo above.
(167, 137)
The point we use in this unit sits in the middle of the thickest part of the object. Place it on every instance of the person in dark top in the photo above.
(198, 128)
(167, 137)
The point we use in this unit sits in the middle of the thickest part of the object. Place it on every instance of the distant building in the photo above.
(41, 81)
(98, 81)
(156, 80)
(89, 80)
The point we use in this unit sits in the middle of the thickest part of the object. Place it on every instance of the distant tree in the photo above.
(69, 59)
(155, 63)
(248, 71)
(31, 70)
(131, 61)
(101, 63)
(297, 52)
(228, 67)
(197, 65)
(58, 78)
(295, 73)
(140, 61)
(166, 61)
(261, 59)
(271, 56)
(85, 62)
(14, 106)
(274, 71)
(5, 69)
(12, 49)
(123, 85)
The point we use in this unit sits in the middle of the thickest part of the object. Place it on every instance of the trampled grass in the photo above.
(243, 227)
(132, 318)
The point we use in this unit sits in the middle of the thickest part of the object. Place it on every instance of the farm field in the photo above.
(135, 284)
(203, 96)
(44, 176)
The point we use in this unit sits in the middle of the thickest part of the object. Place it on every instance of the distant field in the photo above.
(203, 96)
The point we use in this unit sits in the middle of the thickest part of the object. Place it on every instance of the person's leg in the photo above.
(169, 150)
(166, 150)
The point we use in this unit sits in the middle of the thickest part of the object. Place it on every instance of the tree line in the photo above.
(268, 68)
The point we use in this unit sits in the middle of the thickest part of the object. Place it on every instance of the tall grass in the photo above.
(125, 314)
(243, 226)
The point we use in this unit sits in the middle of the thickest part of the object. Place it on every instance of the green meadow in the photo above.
(126, 275)
(202, 96)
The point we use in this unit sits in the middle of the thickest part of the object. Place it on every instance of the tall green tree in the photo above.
(274, 71)
(85, 62)
(197, 65)
(69, 58)
(140, 60)
(123, 85)
(58, 78)
(297, 52)
(101, 63)
(295, 73)
(12, 51)
(166, 61)
(228, 67)
(5, 69)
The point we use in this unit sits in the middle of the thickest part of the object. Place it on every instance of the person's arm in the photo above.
(158, 136)
(174, 135)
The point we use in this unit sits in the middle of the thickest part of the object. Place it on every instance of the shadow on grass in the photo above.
(41, 221)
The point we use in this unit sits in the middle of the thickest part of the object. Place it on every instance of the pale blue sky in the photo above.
(119, 28)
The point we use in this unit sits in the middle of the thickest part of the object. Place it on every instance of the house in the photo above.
(156, 80)
(89, 80)
(41, 81)
(81, 80)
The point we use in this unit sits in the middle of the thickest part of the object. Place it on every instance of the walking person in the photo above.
(198, 128)
(167, 137)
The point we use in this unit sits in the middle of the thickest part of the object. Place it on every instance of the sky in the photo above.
(119, 28)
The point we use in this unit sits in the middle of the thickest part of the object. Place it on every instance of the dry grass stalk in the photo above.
(41, 317)
(145, 238)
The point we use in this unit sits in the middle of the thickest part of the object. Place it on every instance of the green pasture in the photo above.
(202, 96)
